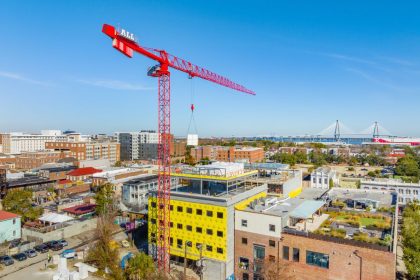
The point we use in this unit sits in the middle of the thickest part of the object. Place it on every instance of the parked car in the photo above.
(63, 242)
(20, 257)
(31, 253)
(56, 246)
(41, 248)
(51, 243)
(6, 260)
(125, 244)
(68, 254)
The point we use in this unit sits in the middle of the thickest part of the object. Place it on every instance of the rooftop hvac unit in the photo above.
(192, 139)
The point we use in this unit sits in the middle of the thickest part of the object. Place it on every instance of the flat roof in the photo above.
(216, 178)
(383, 197)
(28, 180)
(142, 178)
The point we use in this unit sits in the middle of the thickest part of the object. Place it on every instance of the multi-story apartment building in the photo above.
(228, 154)
(202, 216)
(279, 238)
(321, 177)
(18, 142)
(88, 150)
(407, 192)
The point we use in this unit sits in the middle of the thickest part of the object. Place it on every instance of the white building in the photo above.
(407, 192)
(17, 142)
(320, 178)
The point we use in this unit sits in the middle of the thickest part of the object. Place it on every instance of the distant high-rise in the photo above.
(138, 145)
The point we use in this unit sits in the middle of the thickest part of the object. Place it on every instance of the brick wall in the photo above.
(343, 262)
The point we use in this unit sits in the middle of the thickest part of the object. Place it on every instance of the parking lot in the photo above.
(40, 261)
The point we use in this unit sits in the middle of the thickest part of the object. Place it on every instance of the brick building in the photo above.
(88, 150)
(274, 234)
(31, 160)
(228, 154)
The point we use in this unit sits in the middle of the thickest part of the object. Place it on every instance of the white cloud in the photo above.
(115, 84)
(18, 77)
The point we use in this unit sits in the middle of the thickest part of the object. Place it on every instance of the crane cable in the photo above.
(192, 107)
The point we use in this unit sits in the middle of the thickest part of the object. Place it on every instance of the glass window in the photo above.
(219, 250)
(209, 213)
(199, 212)
(244, 240)
(153, 204)
(189, 228)
(220, 233)
(179, 226)
(209, 248)
(189, 210)
(244, 223)
(179, 242)
(179, 209)
(199, 229)
(171, 207)
(220, 215)
(272, 243)
(259, 252)
(286, 252)
(245, 276)
(272, 227)
(244, 263)
(317, 259)
(209, 231)
(296, 254)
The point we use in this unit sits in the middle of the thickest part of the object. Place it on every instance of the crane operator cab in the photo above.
(153, 71)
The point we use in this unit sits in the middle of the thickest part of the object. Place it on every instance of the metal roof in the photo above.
(306, 209)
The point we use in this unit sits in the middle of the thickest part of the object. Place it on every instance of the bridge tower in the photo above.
(376, 130)
(337, 131)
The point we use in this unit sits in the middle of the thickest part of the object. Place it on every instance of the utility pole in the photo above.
(200, 247)
(185, 259)
(361, 262)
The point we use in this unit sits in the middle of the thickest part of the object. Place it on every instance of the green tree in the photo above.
(331, 183)
(104, 199)
(20, 202)
(140, 267)
(411, 239)
(407, 166)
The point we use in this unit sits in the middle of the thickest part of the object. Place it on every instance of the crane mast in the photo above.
(125, 42)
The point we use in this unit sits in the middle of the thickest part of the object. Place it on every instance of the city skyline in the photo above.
(328, 61)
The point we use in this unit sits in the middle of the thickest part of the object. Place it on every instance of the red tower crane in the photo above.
(125, 42)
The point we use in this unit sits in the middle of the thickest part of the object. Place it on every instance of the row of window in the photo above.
(209, 231)
(189, 210)
(271, 227)
(180, 243)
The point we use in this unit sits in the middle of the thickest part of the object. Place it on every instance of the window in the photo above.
(244, 263)
(245, 276)
(408, 191)
(296, 254)
(189, 228)
(220, 233)
(179, 226)
(259, 252)
(244, 240)
(171, 241)
(179, 208)
(153, 204)
(209, 248)
(14, 221)
(220, 215)
(189, 210)
(219, 250)
(271, 258)
(153, 221)
(272, 228)
(171, 224)
(189, 243)
(244, 223)
(171, 207)
(209, 231)
(272, 243)
(199, 212)
(14, 233)
(285, 252)
(209, 213)
(317, 259)
(199, 229)
(179, 242)
(325, 181)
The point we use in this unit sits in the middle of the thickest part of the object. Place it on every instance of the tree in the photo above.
(407, 166)
(104, 199)
(331, 183)
(272, 270)
(20, 202)
(102, 254)
(411, 239)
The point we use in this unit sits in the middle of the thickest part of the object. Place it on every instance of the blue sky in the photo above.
(310, 63)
